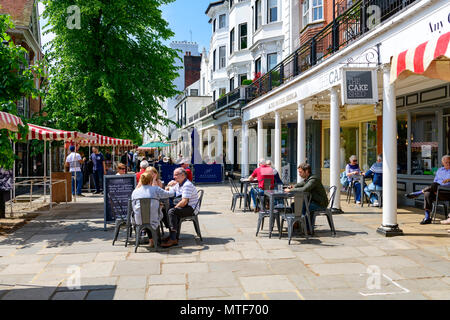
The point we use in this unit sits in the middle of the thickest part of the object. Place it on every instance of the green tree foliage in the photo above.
(16, 81)
(110, 74)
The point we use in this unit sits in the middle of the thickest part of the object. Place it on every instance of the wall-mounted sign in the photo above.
(359, 86)
(322, 112)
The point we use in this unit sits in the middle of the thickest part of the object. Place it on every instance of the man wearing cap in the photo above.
(144, 165)
(74, 162)
(184, 163)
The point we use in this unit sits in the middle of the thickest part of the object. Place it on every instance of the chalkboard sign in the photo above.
(121, 187)
(207, 173)
(360, 86)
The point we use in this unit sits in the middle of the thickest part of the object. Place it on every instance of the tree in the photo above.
(108, 67)
(16, 81)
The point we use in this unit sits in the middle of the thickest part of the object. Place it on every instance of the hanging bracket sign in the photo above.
(359, 86)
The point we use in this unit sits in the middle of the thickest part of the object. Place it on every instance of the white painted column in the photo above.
(277, 149)
(219, 153)
(209, 144)
(335, 142)
(389, 226)
(244, 157)
(301, 137)
(230, 143)
(260, 139)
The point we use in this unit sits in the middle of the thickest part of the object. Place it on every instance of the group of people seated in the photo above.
(352, 170)
(180, 191)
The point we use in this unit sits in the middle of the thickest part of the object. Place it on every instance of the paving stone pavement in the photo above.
(66, 254)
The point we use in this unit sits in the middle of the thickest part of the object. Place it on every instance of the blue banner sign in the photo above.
(207, 173)
(166, 172)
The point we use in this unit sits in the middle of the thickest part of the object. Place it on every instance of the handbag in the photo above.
(344, 179)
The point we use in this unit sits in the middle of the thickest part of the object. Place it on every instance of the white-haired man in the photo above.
(262, 172)
(442, 178)
(144, 165)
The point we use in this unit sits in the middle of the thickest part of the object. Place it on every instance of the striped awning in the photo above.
(44, 133)
(430, 59)
(96, 139)
(9, 121)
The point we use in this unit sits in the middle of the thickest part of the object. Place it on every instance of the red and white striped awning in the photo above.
(44, 133)
(430, 59)
(9, 121)
(100, 140)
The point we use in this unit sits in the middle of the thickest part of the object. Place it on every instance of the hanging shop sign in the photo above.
(359, 86)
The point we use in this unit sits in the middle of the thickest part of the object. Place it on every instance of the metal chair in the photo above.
(350, 191)
(145, 206)
(120, 215)
(236, 194)
(265, 213)
(442, 204)
(379, 194)
(326, 212)
(297, 215)
(194, 217)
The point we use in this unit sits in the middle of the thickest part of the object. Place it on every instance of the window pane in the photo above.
(424, 144)
(402, 144)
(243, 36)
(232, 41)
(221, 21)
(222, 58)
(271, 61)
(326, 148)
(368, 145)
(258, 16)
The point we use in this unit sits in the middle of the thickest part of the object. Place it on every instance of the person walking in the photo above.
(74, 162)
(99, 169)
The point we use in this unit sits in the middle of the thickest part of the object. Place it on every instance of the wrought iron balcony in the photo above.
(350, 23)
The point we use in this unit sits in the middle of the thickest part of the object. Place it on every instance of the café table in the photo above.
(245, 182)
(273, 195)
(360, 179)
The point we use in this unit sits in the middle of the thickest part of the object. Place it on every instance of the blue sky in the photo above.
(183, 16)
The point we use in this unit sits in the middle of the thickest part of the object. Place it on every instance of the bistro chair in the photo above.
(296, 215)
(145, 204)
(120, 215)
(350, 192)
(265, 213)
(194, 217)
(379, 194)
(236, 194)
(326, 212)
(440, 203)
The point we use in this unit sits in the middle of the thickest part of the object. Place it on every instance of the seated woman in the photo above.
(149, 189)
(121, 169)
(351, 170)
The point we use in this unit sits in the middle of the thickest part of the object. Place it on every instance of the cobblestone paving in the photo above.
(43, 259)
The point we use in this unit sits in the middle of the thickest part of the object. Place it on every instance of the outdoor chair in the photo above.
(326, 212)
(379, 194)
(194, 217)
(296, 216)
(265, 213)
(350, 192)
(145, 204)
(236, 194)
(440, 203)
(120, 215)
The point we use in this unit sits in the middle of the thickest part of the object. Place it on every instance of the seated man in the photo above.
(376, 170)
(186, 199)
(149, 189)
(144, 165)
(277, 177)
(262, 172)
(313, 185)
(442, 178)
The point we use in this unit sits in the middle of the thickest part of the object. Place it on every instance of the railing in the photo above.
(351, 22)
(221, 103)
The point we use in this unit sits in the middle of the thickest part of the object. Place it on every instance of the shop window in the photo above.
(402, 144)
(424, 144)
(447, 135)
(368, 145)
(326, 148)
(349, 145)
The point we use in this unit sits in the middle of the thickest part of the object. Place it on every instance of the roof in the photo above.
(19, 10)
(213, 4)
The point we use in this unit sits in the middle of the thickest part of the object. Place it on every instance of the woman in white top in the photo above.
(149, 189)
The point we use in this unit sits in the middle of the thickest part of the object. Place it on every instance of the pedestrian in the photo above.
(185, 165)
(144, 165)
(74, 162)
(5, 187)
(99, 169)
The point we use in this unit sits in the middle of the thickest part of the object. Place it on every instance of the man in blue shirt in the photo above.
(99, 169)
(376, 172)
(442, 178)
